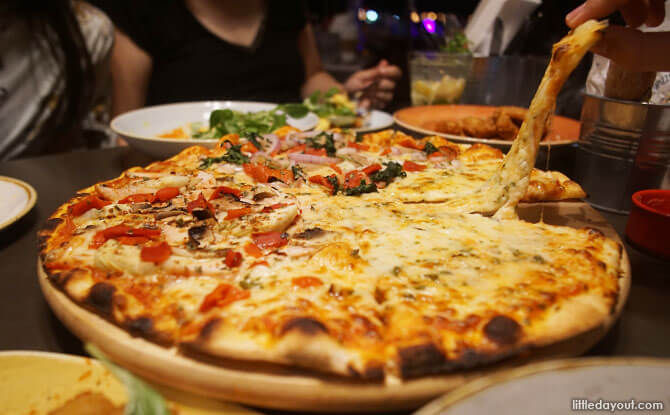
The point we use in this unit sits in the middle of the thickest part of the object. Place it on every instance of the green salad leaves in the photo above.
(226, 121)
(142, 398)
(320, 104)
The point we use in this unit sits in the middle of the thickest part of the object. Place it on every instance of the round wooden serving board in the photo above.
(275, 386)
(563, 130)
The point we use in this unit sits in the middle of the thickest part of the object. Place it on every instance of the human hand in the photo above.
(375, 85)
(635, 12)
(630, 48)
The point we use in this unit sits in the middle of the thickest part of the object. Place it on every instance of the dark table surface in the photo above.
(27, 323)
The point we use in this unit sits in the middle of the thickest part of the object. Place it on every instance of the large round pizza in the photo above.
(376, 257)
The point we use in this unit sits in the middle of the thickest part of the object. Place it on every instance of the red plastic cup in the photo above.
(649, 221)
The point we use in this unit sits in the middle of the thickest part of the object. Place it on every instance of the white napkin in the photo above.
(479, 29)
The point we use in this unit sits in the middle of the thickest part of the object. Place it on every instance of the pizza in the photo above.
(375, 256)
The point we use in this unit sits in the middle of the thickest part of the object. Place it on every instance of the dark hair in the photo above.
(55, 22)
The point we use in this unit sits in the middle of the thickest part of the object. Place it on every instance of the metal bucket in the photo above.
(624, 147)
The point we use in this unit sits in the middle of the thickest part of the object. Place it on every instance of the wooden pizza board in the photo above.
(275, 386)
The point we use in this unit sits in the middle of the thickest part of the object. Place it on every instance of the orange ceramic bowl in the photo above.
(649, 221)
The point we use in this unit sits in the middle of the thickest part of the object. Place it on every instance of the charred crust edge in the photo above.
(421, 359)
(373, 371)
(141, 327)
(44, 233)
(101, 298)
(208, 329)
(502, 330)
(306, 325)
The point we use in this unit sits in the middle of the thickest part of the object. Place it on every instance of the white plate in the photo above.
(141, 128)
(16, 199)
(560, 387)
(377, 120)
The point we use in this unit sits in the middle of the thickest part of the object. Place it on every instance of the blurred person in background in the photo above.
(53, 60)
(191, 50)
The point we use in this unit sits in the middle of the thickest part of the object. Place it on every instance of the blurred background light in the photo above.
(361, 14)
(429, 25)
(371, 16)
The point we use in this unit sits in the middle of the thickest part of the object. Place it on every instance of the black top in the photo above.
(190, 63)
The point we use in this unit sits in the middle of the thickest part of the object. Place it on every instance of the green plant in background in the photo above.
(457, 43)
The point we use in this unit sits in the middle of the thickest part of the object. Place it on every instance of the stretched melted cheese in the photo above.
(507, 186)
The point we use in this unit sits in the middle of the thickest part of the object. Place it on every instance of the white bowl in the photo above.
(141, 128)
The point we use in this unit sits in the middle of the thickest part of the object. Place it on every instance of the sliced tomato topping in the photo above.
(306, 282)
(269, 240)
(318, 179)
(257, 172)
(412, 166)
(358, 146)
(248, 148)
(144, 232)
(57, 265)
(353, 179)
(86, 204)
(125, 231)
(336, 168)
(316, 152)
(385, 151)
(165, 194)
(199, 203)
(236, 213)
(156, 253)
(263, 174)
(132, 240)
(372, 168)
(223, 295)
(233, 259)
(411, 143)
(253, 250)
(225, 190)
(276, 206)
(115, 231)
(297, 149)
(283, 175)
(138, 198)
(446, 152)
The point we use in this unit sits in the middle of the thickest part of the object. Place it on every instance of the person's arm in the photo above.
(630, 48)
(375, 85)
(316, 78)
(131, 70)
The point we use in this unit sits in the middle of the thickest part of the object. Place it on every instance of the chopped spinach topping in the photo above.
(233, 155)
(429, 148)
(298, 172)
(253, 139)
(247, 283)
(360, 189)
(323, 140)
(391, 171)
(332, 179)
